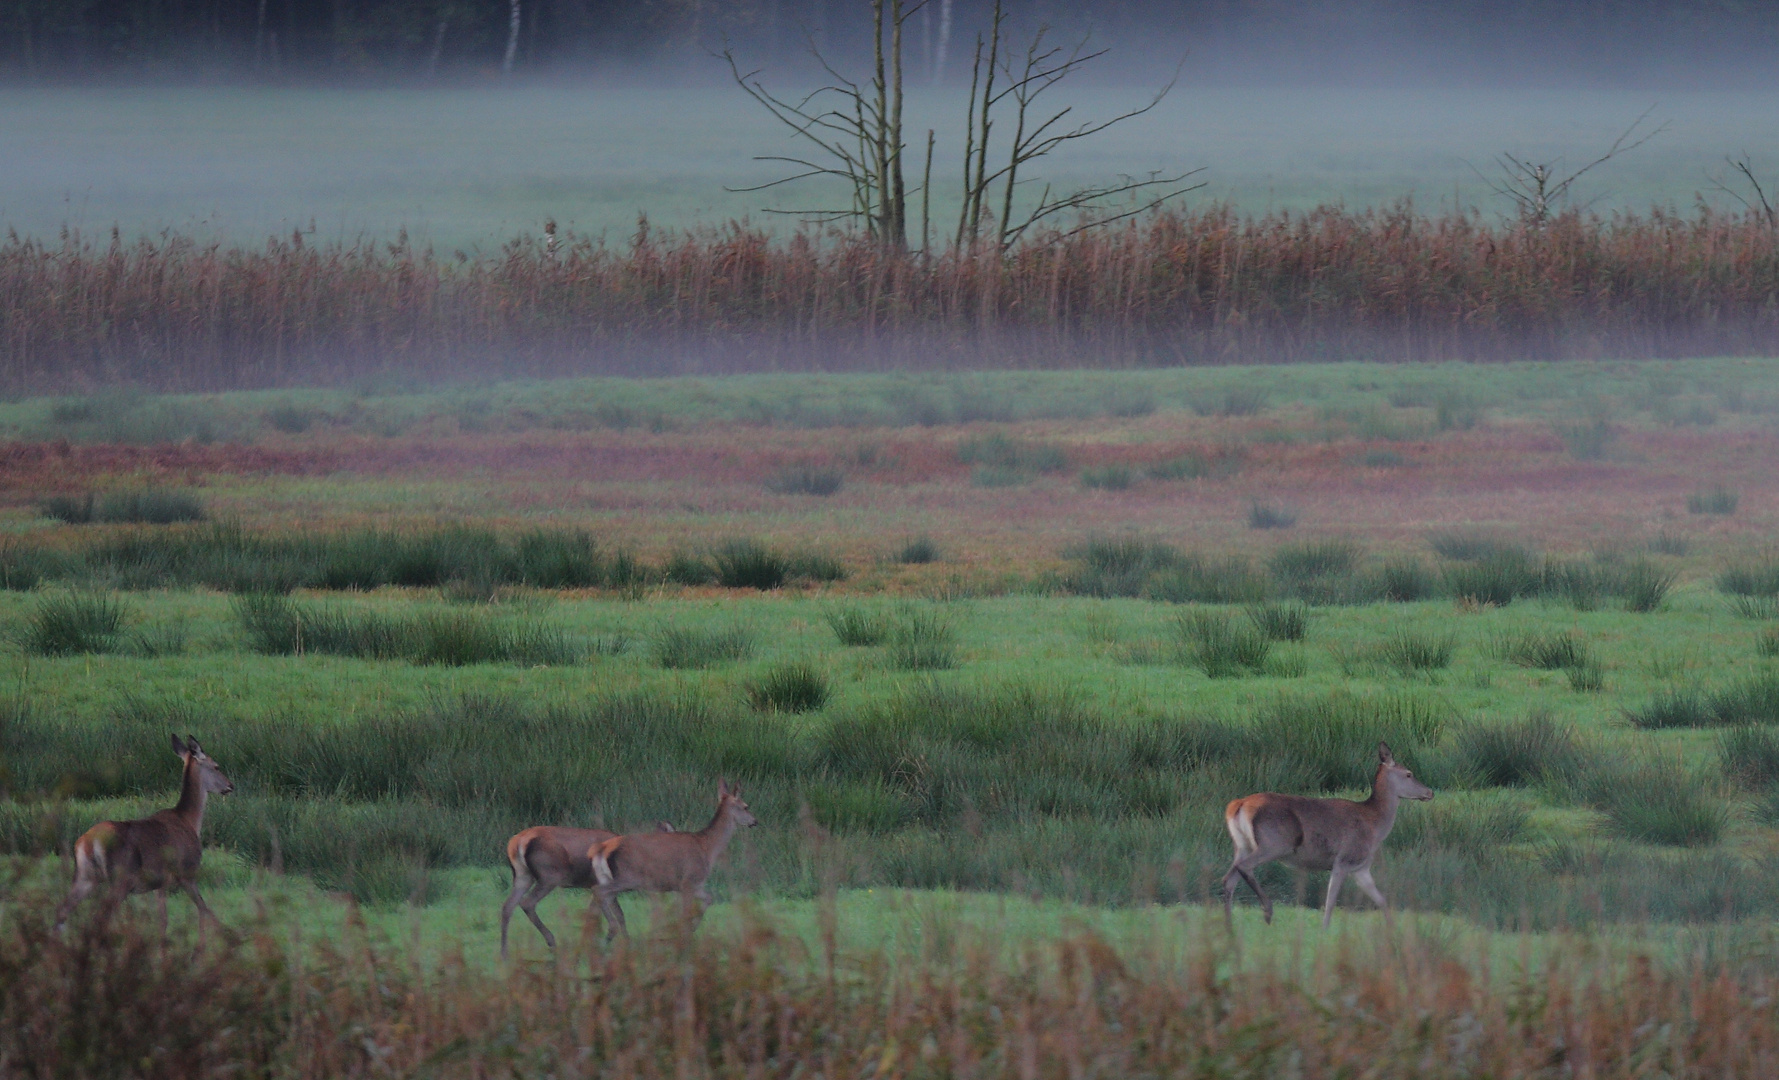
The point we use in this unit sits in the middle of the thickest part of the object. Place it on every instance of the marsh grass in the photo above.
(1752, 700)
(1587, 440)
(1108, 477)
(1541, 650)
(1716, 499)
(1766, 643)
(1269, 515)
(143, 507)
(820, 481)
(1497, 579)
(857, 628)
(1280, 622)
(1190, 467)
(1645, 586)
(795, 687)
(1750, 755)
(1755, 607)
(1516, 753)
(1475, 545)
(918, 551)
(749, 564)
(1670, 543)
(1156, 571)
(1220, 645)
(1755, 579)
(692, 647)
(923, 640)
(278, 625)
(1410, 650)
(1016, 457)
(74, 622)
(1657, 798)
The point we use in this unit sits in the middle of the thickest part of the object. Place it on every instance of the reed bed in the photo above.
(1182, 286)
(758, 1001)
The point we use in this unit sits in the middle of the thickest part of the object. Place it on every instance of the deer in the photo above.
(155, 853)
(665, 862)
(1337, 835)
(545, 858)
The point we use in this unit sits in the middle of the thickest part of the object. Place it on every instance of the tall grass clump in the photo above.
(856, 627)
(74, 622)
(1670, 543)
(1766, 645)
(1759, 579)
(1474, 545)
(1716, 499)
(1156, 571)
(1000, 460)
(1269, 515)
(1545, 651)
(1750, 755)
(1280, 622)
(1587, 440)
(749, 564)
(1645, 586)
(1497, 579)
(277, 625)
(1334, 737)
(918, 551)
(1656, 798)
(1754, 700)
(1409, 650)
(689, 647)
(1108, 477)
(145, 507)
(1516, 753)
(1317, 571)
(793, 688)
(1220, 645)
(921, 640)
(820, 481)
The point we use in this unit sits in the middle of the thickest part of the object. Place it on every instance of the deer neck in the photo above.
(191, 799)
(715, 836)
(1382, 804)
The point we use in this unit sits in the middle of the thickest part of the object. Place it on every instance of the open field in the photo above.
(470, 168)
(988, 654)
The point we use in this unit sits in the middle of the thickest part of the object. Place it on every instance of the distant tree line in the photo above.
(62, 39)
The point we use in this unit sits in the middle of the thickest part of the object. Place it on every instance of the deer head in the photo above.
(1396, 778)
(210, 775)
(729, 802)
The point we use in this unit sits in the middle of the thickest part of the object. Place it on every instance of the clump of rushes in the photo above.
(69, 623)
(1547, 652)
(684, 647)
(1645, 586)
(923, 641)
(1280, 622)
(806, 480)
(1108, 477)
(749, 564)
(146, 507)
(1409, 650)
(1716, 499)
(1656, 798)
(856, 627)
(794, 688)
(1266, 515)
(1219, 646)
(918, 551)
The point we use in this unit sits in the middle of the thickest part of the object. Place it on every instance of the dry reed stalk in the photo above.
(1175, 287)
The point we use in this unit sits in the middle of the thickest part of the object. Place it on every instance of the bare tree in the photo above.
(1537, 189)
(855, 130)
(1756, 202)
(1036, 135)
(513, 22)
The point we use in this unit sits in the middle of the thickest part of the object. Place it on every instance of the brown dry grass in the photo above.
(111, 1000)
(1177, 287)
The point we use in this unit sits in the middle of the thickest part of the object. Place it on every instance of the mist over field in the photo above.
(470, 167)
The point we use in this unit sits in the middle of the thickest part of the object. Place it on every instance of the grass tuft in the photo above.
(1716, 499)
(1409, 650)
(1108, 477)
(793, 688)
(748, 564)
(1655, 798)
(1546, 652)
(1280, 622)
(923, 641)
(856, 628)
(1517, 753)
(918, 551)
(1263, 515)
(815, 480)
(683, 647)
(70, 623)
(1220, 646)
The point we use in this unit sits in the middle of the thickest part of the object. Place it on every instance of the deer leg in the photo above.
(614, 915)
(1242, 869)
(83, 888)
(529, 907)
(1369, 887)
(205, 915)
(160, 902)
(1336, 878)
(523, 887)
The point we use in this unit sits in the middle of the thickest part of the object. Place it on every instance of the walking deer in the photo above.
(546, 858)
(152, 854)
(1337, 835)
(665, 862)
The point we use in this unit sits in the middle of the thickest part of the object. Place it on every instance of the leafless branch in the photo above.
(1537, 188)
(1756, 203)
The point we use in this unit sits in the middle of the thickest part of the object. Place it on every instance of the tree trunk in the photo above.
(438, 43)
(944, 40)
(513, 21)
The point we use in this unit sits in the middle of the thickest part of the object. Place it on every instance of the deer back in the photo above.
(1311, 833)
(148, 853)
(654, 862)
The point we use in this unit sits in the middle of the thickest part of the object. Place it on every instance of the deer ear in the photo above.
(179, 746)
(722, 786)
(1384, 755)
(191, 743)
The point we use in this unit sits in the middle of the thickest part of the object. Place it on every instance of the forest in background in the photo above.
(1493, 40)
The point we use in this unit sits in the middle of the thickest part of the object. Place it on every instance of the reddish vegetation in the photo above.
(659, 491)
(1177, 287)
(758, 1004)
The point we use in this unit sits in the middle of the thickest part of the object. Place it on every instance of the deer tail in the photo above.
(1238, 817)
(600, 855)
(517, 850)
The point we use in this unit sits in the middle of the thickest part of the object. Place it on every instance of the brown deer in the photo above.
(1337, 835)
(664, 863)
(546, 858)
(152, 854)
